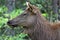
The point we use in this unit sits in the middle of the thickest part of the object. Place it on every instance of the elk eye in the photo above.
(24, 14)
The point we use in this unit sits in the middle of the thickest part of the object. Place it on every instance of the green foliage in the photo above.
(23, 35)
(17, 37)
(45, 14)
(3, 20)
(16, 13)
(4, 15)
(3, 9)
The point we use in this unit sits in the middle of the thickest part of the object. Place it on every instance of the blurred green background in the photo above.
(9, 9)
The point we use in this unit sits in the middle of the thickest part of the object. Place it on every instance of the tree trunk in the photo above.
(55, 8)
(10, 5)
(58, 9)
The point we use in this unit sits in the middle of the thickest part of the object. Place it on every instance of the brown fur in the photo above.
(42, 29)
(55, 25)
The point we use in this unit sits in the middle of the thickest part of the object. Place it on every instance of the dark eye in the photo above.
(24, 14)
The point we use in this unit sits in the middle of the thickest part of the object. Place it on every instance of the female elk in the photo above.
(36, 26)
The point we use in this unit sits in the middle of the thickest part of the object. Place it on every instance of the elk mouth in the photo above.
(15, 25)
(25, 27)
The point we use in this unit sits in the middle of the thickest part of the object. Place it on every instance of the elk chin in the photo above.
(13, 26)
(25, 27)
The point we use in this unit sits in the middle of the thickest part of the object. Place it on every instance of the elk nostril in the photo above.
(10, 23)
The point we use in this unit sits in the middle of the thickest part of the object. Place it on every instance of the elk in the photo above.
(35, 25)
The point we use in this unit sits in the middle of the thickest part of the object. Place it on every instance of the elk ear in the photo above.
(30, 7)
